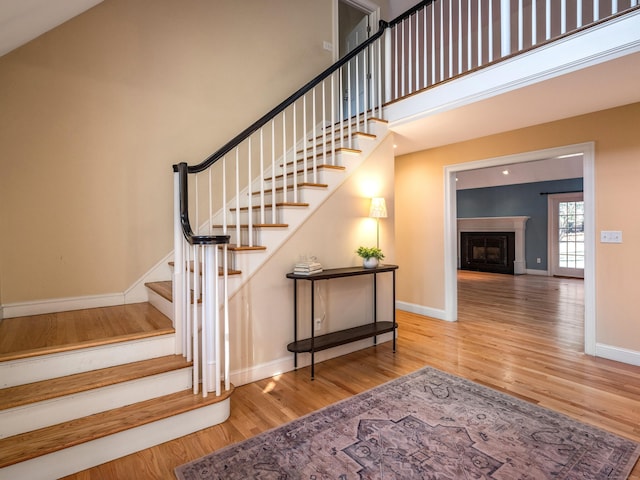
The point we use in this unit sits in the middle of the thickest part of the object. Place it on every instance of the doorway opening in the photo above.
(586, 150)
(355, 22)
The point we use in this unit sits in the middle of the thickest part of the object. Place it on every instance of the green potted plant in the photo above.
(371, 256)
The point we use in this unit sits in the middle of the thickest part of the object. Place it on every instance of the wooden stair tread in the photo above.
(354, 122)
(26, 446)
(309, 169)
(354, 151)
(164, 289)
(255, 225)
(344, 135)
(290, 188)
(278, 205)
(81, 382)
(245, 248)
(231, 271)
(74, 330)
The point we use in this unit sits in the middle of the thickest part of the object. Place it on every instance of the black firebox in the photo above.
(488, 251)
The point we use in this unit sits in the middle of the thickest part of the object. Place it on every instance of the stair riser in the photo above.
(96, 452)
(51, 412)
(280, 196)
(35, 369)
(338, 159)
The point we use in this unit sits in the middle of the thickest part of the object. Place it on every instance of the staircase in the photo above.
(66, 407)
(252, 243)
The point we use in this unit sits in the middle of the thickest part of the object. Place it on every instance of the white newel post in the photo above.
(505, 27)
(178, 269)
(209, 306)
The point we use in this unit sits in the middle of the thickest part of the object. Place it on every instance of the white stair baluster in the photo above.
(450, 36)
(237, 194)
(250, 193)
(195, 319)
(409, 46)
(490, 31)
(425, 60)
(324, 125)
(262, 175)
(294, 178)
(534, 22)
(285, 194)
(304, 140)
(314, 154)
(273, 172)
(469, 37)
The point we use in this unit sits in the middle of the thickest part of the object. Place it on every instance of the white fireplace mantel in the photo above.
(499, 224)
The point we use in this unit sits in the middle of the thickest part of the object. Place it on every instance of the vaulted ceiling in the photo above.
(23, 20)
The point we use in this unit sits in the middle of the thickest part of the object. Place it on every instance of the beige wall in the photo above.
(420, 210)
(94, 113)
(262, 309)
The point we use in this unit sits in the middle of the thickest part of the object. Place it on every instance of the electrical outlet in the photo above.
(318, 323)
(538, 260)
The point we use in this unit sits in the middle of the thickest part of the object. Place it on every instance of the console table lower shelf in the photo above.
(342, 337)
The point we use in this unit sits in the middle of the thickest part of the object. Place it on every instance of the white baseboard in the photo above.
(531, 271)
(618, 354)
(54, 305)
(421, 310)
(285, 364)
(137, 293)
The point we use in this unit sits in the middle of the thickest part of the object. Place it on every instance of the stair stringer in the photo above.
(250, 261)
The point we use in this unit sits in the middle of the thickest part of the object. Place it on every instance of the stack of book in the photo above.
(307, 268)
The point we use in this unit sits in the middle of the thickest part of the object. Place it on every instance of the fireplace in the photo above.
(487, 251)
(499, 225)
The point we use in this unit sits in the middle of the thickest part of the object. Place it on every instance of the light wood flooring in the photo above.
(519, 334)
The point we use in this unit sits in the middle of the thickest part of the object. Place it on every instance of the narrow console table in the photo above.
(340, 337)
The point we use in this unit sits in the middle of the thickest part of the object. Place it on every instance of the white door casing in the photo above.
(587, 150)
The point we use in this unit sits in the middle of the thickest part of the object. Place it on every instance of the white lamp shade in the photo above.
(378, 208)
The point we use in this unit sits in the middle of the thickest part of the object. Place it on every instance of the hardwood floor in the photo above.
(519, 334)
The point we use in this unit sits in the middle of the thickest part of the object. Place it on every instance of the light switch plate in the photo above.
(610, 236)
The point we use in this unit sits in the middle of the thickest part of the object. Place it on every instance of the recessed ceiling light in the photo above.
(505, 172)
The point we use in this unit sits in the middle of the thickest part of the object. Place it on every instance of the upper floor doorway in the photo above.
(356, 21)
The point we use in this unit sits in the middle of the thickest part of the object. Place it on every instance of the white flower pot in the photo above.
(370, 262)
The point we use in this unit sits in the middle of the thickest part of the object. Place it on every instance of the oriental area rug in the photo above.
(426, 425)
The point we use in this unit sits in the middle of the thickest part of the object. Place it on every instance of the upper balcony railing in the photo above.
(444, 39)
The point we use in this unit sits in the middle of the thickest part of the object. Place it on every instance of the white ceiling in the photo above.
(23, 20)
(606, 85)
